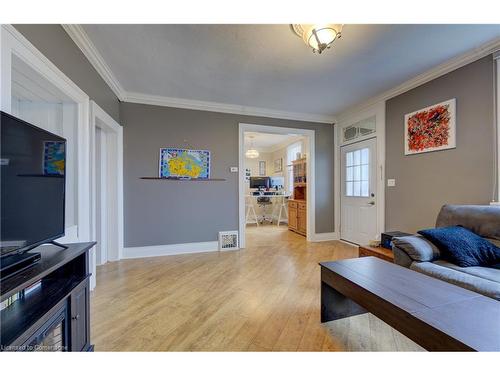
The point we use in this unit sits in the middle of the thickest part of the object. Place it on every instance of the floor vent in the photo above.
(228, 240)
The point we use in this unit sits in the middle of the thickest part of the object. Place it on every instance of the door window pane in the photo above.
(364, 156)
(349, 159)
(356, 157)
(348, 188)
(349, 175)
(357, 173)
(364, 173)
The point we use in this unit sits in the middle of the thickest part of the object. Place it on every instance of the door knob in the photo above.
(372, 203)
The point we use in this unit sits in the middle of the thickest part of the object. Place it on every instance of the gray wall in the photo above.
(59, 48)
(464, 175)
(169, 212)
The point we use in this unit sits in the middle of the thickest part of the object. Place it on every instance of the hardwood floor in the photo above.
(263, 298)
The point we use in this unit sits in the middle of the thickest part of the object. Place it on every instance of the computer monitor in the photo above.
(259, 182)
(277, 181)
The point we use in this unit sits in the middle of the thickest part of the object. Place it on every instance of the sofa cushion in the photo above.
(463, 247)
(482, 220)
(492, 274)
(476, 284)
(417, 248)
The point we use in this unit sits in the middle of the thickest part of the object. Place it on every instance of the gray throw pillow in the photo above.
(417, 247)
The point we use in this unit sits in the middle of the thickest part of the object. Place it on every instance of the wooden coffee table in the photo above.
(376, 251)
(435, 314)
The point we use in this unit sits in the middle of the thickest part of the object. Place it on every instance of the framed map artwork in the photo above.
(184, 163)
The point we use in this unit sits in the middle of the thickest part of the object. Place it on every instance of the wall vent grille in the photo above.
(228, 240)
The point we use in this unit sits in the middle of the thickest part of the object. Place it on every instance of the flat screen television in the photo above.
(33, 166)
(259, 182)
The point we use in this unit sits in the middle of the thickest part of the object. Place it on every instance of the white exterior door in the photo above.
(358, 192)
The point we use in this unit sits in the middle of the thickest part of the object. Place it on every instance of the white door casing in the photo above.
(111, 186)
(359, 192)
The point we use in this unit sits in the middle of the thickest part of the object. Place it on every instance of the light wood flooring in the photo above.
(263, 298)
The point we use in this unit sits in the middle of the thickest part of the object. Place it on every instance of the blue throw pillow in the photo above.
(463, 247)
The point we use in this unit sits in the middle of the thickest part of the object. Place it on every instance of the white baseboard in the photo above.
(320, 237)
(174, 249)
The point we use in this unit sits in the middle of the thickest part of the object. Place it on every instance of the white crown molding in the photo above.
(201, 105)
(82, 40)
(442, 69)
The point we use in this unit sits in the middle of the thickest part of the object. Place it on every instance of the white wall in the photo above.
(253, 164)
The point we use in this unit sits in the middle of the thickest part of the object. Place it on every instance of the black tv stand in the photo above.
(58, 244)
(54, 289)
(12, 264)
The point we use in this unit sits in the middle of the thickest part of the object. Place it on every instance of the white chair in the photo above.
(250, 210)
(282, 203)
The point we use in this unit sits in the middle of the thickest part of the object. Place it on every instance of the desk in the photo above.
(278, 212)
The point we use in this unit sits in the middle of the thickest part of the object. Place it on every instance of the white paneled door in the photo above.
(359, 192)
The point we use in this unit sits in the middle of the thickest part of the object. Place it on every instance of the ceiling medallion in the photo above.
(320, 36)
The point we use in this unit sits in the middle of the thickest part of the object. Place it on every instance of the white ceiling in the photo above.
(267, 142)
(267, 66)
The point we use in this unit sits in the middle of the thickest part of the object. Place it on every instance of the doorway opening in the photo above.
(276, 184)
(107, 187)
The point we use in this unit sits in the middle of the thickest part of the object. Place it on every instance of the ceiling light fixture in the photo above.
(318, 37)
(251, 153)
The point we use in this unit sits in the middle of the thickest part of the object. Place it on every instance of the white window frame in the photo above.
(353, 165)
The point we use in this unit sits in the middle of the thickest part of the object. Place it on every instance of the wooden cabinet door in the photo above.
(292, 217)
(80, 317)
(302, 221)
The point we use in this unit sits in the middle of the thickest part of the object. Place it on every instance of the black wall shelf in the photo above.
(182, 179)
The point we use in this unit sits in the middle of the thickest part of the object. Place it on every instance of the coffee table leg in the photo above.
(335, 305)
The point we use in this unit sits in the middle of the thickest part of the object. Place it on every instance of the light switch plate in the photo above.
(391, 182)
(234, 169)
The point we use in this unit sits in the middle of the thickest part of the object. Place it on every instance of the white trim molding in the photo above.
(439, 70)
(174, 249)
(82, 40)
(321, 237)
(201, 105)
(113, 202)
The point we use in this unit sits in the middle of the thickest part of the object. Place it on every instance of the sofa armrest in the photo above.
(401, 258)
(417, 248)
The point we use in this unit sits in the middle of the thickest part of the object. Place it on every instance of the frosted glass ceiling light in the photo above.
(251, 153)
(318, 37)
